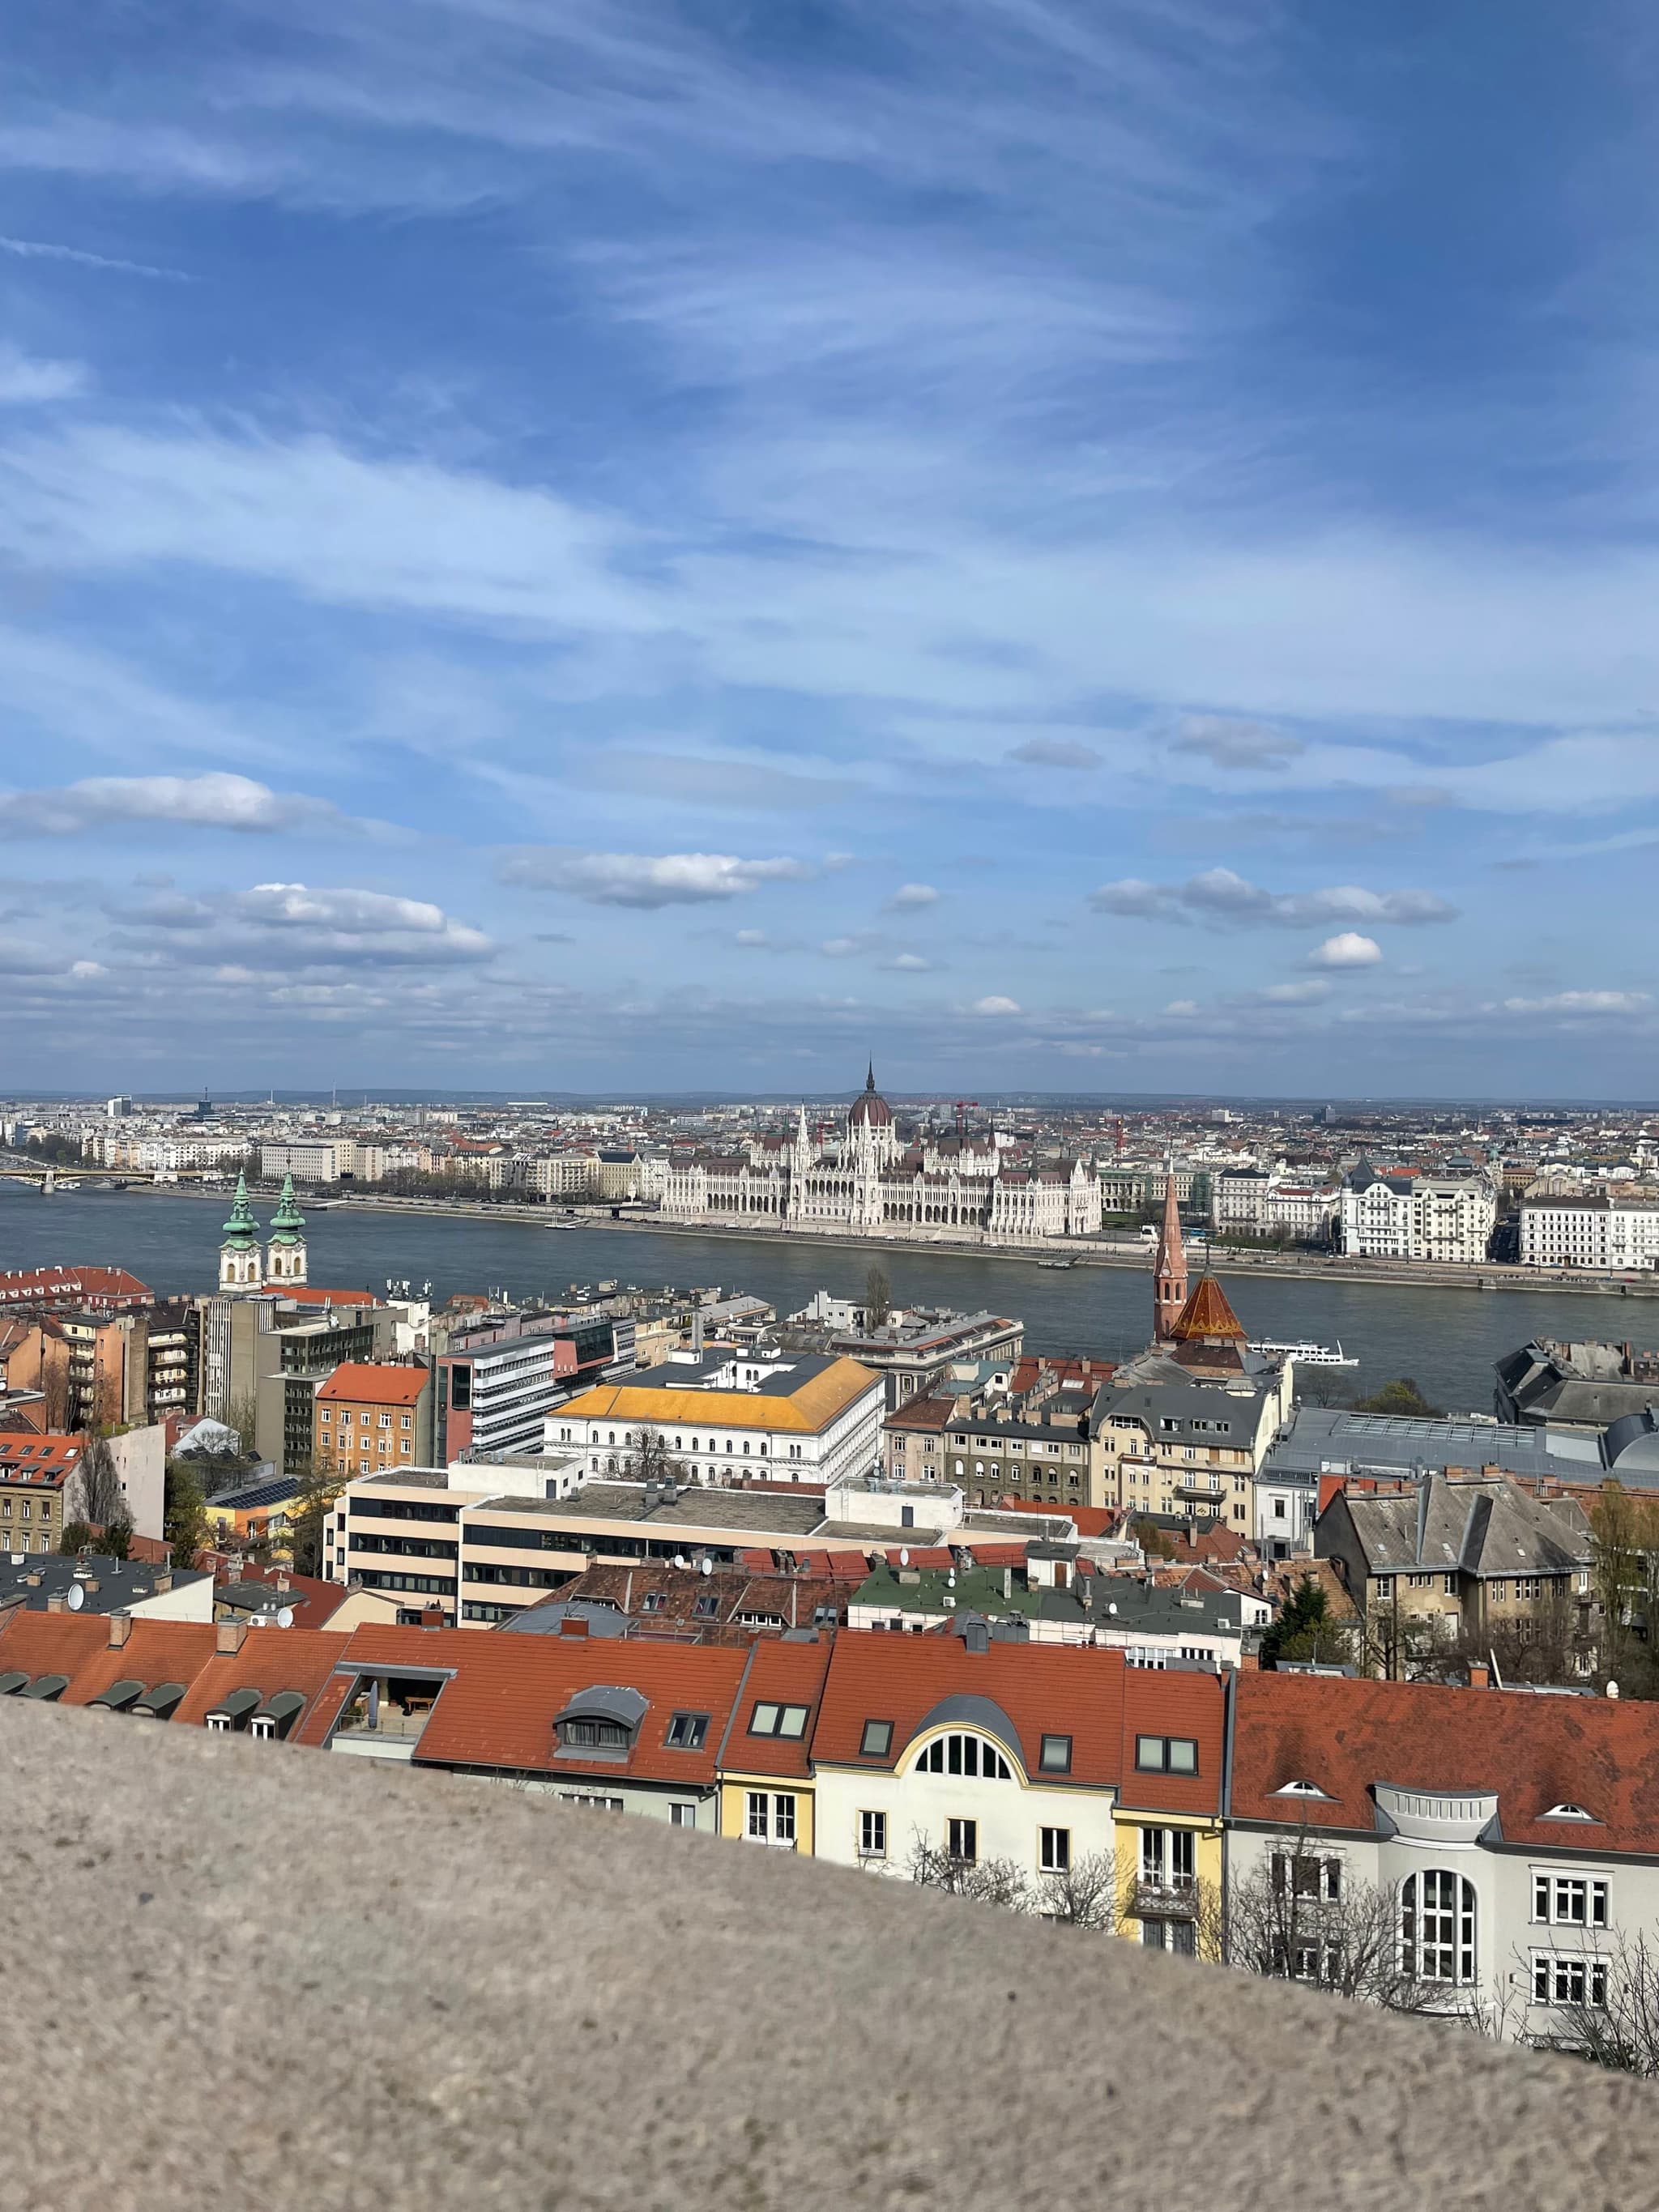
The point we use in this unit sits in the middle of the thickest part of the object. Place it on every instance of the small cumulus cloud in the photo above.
(994, 1005)
(645, 880)
(1056, 752)
(1299, 995)
(909, 899)
(1348, 948)
(1220, 896)
(1182, 1009)
(908, 964)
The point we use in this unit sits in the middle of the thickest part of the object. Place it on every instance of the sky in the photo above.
(591, 544)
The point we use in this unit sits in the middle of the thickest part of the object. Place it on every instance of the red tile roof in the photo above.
(270, 1659)
(782, 1674)
(1536, 1753)
(1090, 1520)
(35, 1456)
(1092, 1696)
(60, 1285)
(77, 1644)
(364, 1383)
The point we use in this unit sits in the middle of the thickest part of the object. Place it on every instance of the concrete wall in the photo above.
(469, 1999)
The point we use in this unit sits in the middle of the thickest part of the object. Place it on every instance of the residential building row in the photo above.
(1497, 1851)
(1444, 1218)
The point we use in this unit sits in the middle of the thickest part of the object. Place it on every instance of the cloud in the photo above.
(643, 879)
(1582, 1002)
(27, 380)
(909, 899)
(1299, 995)
(1182, 1009)
(1232, 743)
(994, 1005)
(1220, 895)
(1055, 752)
(1346, 949)
(216, 801)
(295, 927)
(908, 963)
(39, 249)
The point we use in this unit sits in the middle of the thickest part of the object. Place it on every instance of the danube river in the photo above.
(1446, 1339)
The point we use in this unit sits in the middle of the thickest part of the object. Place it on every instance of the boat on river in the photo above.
(1305, 1355)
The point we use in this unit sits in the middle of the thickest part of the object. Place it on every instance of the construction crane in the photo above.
(962, 1106)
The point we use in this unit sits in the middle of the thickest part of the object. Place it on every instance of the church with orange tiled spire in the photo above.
(1169, 1275)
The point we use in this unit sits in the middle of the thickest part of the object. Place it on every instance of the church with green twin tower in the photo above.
(281, 1266)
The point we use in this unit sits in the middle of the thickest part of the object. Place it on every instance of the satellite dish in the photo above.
(679, 1559)
(285, 1618)
(256, 1620)
(904, 1555)
(707, 1566)
(76, 1598)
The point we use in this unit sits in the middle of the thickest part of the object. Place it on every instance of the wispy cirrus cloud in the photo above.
(218, 800)
(41, 249)
(1218, 895)
(32, 380)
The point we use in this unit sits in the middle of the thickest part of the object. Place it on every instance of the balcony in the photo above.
(1175, 1899)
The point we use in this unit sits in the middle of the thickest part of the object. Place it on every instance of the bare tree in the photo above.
(1611, 2015)
(877, 1297)
(988, 1881)
(1082, 1895)
(242, 1416)
(1301, 1915)
(650, 1458)
(101, 1499)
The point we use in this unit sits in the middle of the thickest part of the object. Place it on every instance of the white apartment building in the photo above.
(1238, 1199)
(1594, 1229)
(309, 1159)
(780, 1417)
(1445, 1218)
(563, 1175)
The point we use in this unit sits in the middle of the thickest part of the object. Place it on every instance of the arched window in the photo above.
(965, 1754)
(1437, 1927)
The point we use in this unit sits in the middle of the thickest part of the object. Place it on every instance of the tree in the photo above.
(1301, 1915)
(987, 1881)
(650, 1459)
(102, 1501)
(184, 1522)
(1623, 1549)
(76, 1537)
(1620, 2031)
(1401, 1396)
(304, 1541)
(877, 1297)
(242, 1415)
(1082, 1895)
(1305, 1629)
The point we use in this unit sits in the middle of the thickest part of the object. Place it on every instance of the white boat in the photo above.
(1306, 1355)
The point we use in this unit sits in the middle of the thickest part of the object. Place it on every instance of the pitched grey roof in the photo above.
(1482, 1529)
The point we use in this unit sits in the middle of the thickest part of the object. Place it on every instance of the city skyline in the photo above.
(650, 549)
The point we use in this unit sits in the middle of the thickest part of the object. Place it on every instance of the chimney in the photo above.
(1479, 1675)
(431, 1616)
(120, 1627)
(55, 1602)
(229, 1637)
(574, 1624)
(164, 1582)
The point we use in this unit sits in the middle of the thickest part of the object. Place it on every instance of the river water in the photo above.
(1447, 1340)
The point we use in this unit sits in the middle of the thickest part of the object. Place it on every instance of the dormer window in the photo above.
(601, 1722)
(1568, 1812)
(1302, 1789)
(593, 1732)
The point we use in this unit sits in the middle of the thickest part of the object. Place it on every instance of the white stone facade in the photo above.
(1445, 1218)
(1591, 1232)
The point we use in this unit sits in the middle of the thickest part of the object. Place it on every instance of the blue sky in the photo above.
(592, 543)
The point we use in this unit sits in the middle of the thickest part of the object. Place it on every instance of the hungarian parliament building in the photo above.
(867, 1179)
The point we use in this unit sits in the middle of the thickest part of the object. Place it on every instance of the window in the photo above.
(1303, 1876)
(961, 1841)
(1056, 1757)
(872, 1835)
(1054, 1850)
(593, 1734)
(878, 1739)
(594, 1804)
(771, 1818)
(1527, 1586)
(1449, 1585)
(1569, 1901)
(1166, 1754)
(683, 1816)
(407, 1421)
(1568, 1981)
(1385, 1587)
(1168, 1858)
(964, 1754)
(778, 1720)
(324, 1415)
(1436, 1928)
(686, 1731)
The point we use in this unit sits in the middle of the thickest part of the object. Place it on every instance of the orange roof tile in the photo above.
(783, 1675)
(1207, 1316)
(363, 1383)
(270, 1659)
